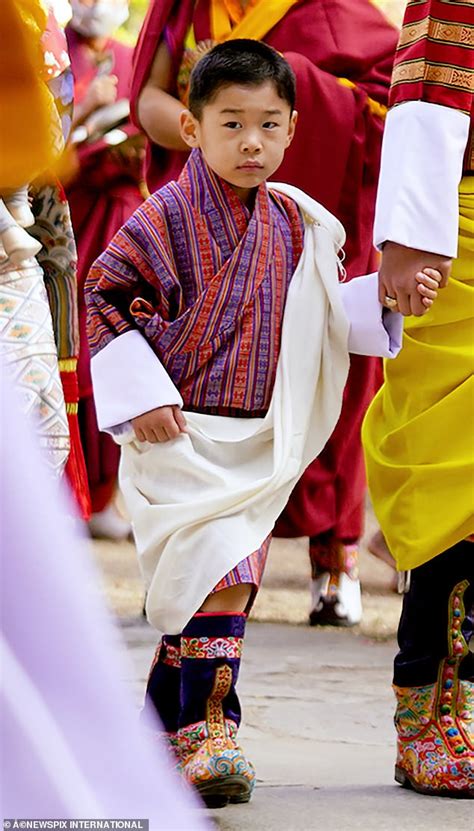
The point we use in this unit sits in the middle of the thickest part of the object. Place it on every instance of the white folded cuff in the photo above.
(129, 380)
(373, 329)
(422, 155)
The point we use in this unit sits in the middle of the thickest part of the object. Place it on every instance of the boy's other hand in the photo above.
(161, 424)
(397, 276)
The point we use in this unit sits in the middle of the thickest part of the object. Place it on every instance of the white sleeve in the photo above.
(128, 380)
(374, 330)
(422, 155)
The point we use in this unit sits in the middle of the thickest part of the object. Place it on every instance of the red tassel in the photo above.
(75, 470)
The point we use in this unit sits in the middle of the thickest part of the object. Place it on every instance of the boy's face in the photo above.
(243, 134)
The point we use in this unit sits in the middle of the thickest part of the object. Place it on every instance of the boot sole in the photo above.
(406, 781)
(217, 793)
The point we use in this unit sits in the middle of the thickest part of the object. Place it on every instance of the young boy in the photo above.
(221, 297)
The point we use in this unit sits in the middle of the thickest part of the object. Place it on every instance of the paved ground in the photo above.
(317, 725)
(317, 703)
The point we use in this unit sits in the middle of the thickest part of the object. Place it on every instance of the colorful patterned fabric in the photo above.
(28, 349)
(435, 56)
(211, 759)
(206, 647)
(408, 439)
(250, 570)
(58, 259)
(435, 722)
(205, 282)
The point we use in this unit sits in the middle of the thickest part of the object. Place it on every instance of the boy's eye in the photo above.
(233, 125)
(270, 125)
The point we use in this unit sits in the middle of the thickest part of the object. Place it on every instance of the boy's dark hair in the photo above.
(240, 61)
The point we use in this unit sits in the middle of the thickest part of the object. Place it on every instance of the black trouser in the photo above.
(423, 629)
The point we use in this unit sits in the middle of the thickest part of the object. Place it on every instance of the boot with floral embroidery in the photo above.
(435, 722)
(163, 688)
(211, 760)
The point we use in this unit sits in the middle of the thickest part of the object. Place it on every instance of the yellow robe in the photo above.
(418, 433)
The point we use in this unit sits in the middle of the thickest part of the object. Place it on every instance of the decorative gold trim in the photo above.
(441, 74)
(441, 31)
(67, 364)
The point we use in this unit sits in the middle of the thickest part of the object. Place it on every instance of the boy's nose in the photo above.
(251, 144)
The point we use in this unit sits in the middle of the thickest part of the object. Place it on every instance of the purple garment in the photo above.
(205, 281)
(72, 747)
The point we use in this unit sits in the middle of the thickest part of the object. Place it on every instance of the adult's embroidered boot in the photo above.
(164, 688)
(211, 759)
(335, 587)
(435, 722)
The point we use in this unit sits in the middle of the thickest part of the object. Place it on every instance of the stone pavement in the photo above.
(317, 703)
(318, 726)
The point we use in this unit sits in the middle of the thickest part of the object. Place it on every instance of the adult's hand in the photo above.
(397, 275)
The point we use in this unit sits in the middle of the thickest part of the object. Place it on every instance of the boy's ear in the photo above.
(188, 128)
(292, 127)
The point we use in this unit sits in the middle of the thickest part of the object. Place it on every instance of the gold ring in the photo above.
(390, 301)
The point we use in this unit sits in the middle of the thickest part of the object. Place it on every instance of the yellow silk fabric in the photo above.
(27, 112)
(418, 433)
(260, 16)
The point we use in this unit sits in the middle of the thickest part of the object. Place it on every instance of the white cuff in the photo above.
(373, 329)
(129, 380)
(422, 155)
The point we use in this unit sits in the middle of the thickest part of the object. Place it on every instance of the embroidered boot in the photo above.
(163, 687)
(211, 760)
(335, 587)
(435, 727)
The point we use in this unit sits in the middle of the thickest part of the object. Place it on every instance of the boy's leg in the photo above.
(211, 648)
(210, 709)
(173, 692)
(434, 677)
(163, 688)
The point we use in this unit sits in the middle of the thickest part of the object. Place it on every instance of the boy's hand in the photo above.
(161, 424)
(427, 283)
(397, 276)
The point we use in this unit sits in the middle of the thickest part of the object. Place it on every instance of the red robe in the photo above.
(101, 199)
(335, 158)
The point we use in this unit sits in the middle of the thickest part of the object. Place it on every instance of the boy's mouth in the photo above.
(250, 165)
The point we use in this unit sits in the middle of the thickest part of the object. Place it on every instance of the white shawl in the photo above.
(206, 500)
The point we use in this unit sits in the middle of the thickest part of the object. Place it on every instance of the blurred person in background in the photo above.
(39, 338)
(342, 54)
(104, 190)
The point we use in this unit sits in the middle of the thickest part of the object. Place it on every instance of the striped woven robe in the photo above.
(216, 328)
(189, 305)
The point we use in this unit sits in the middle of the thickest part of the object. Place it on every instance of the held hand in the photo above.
(161, 424)
(399, 277)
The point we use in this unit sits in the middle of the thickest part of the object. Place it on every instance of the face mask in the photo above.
(99, 20)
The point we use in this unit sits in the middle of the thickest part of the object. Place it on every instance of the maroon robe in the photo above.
(101, 199)
(335, 158)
